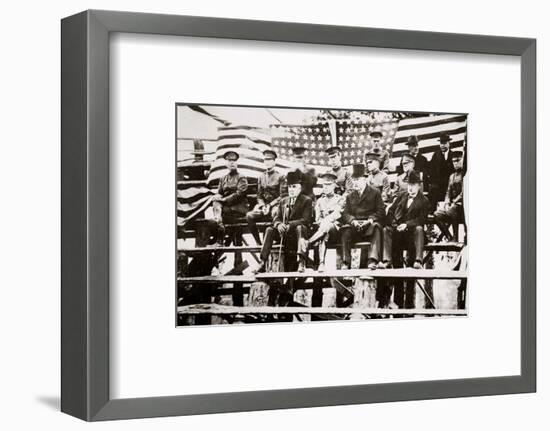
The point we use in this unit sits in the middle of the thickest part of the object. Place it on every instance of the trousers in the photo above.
(350, 234)
(395, 242)
(291, 240)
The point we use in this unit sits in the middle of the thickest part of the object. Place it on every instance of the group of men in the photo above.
(360, 205)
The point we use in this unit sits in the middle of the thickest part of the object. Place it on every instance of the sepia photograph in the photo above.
(317, 214)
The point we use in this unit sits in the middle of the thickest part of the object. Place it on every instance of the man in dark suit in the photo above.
(420, 162)
(291, 223)
(405, 229)
(440, 169)
(362, 218)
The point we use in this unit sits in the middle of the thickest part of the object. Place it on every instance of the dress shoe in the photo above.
(261, 268)
(382, 265)
(417, 264)
(321, 267)
(344, 266)
(301, 266)
(372, 265)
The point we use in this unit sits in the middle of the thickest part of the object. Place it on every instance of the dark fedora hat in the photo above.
(294, 177)
(412, 141)
(376, 133)
(444, 137)
(414, 177)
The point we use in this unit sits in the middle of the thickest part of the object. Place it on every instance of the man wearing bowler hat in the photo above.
(376, 148)
(290, 224)
(328, 210)
(453, 210)
(343, 177)
(268, 197)
(229, 203)
(440, 169)
(362, 217)
(405, 229)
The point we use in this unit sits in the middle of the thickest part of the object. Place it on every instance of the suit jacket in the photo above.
(301, 213)
(364, 205)
(440, 170)
(415, 215)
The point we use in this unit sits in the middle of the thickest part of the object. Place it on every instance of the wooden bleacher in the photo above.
(349, 284)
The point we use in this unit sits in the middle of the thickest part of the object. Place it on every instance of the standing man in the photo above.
(453, 211)
(420, 162)
(377, 178)
(405, 230)
(328, 211)
(229, 203)
(268, 198)
(290, 223)
(343, 177)
(440, 169)
(309, 180)
(363, 216)
(376, 148)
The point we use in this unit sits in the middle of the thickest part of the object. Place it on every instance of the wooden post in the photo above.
(364, 296)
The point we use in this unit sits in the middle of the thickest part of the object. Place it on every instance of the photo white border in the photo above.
(150, 358)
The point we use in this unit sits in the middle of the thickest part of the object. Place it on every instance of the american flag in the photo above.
(352, 137)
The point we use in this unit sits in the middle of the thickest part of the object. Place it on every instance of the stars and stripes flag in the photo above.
(353, 137)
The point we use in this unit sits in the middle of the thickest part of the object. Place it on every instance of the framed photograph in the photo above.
(267, 215)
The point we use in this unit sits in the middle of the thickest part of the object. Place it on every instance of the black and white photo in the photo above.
(293, 214)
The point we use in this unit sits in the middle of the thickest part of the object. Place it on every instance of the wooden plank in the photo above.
(219, 279)
(444, 246)
(227, 309)
(190, 251)
(371, 274)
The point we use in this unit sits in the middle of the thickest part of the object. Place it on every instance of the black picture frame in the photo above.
(85, 214)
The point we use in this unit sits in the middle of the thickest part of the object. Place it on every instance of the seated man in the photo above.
(290, 223)
(453, 211)
(230, 203)
(363, 215)
(405, 230)
(377, 178)
(328, 211)
(269, 186)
